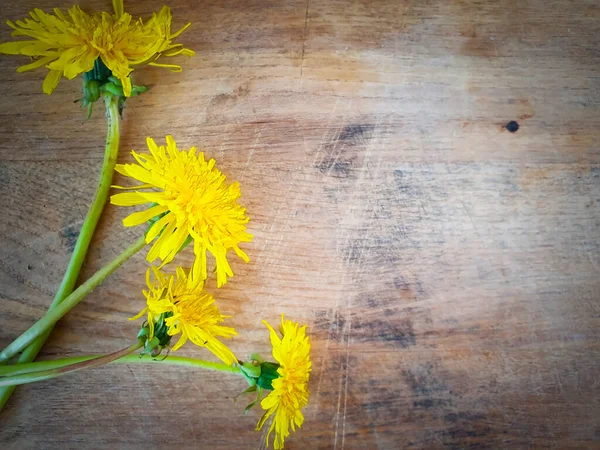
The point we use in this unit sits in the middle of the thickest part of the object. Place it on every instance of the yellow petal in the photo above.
(137, 172)
(51, 81)
(275, 341)
(181, 30)
(68, 61)
(37, 63)
(137, 316)
(141, 217)
(118, 7)
(126, 86)
(182, 340)
(241, 253)
(265, 416)
(14, 48)
(157, 227)
(173, 51)
(221, 351)
(139, 186)
(171, 67)
(127, 199)
(157, 247)
(174, 243)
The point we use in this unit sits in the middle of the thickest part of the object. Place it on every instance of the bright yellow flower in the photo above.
(192, 312)
(193, 201)
(290, 389)
(68, 44)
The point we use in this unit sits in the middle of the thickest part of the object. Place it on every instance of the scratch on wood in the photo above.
(324, 137)
(343, 390)
(337, 140)
(470, 218)
(304, 39)
(259, 134)
(346, 380)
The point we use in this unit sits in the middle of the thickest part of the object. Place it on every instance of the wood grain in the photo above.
(448, 269)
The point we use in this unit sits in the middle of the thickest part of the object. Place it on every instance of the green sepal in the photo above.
(268, 372)
(113, 89)
(99, 72)
(151, 346)
(251, 368)
(101, 80)
(144, 332)
(93, 82)
(91, 91)
(251, 405)
(115, 80)
(252, 388)
(161, 338)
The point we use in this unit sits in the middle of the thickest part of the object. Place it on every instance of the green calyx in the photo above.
(259, 372)
(161, 338)
(268, 372)
(100, 80)
(260, 375)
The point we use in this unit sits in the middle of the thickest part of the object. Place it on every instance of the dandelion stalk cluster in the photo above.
(186, 200)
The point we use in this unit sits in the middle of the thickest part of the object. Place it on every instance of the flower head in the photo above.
(193, 201)
(187, 310)
(68, 44)
(290, 389)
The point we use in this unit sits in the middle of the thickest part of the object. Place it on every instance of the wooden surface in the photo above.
(448, 269)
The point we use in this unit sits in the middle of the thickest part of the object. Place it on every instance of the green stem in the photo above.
(44, 370)
(85, 235)
(64, 370)
(55, 314)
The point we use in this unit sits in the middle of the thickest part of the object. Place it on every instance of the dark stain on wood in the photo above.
(229, 99)
(357, 133)
(335, 168)
(413, 290)
(424, 382)
(400, 333)
(69, 234)
(333, 323)
(339, 153)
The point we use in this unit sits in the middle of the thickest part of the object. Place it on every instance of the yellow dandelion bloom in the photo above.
(193, 200)
(290, 389)
(192, 312)
(68, 44)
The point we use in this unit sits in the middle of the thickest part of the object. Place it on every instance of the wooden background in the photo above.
(448, 270)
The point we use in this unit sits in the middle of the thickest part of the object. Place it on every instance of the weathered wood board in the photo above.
(448, 269)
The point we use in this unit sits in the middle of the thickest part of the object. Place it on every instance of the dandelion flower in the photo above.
(193, 201)
(191, 312)
(68, 44)
(290, 389)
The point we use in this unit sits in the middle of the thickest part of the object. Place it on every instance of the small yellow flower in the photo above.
(191, 312)
(68, 44)
(290, 389)
(193, 201)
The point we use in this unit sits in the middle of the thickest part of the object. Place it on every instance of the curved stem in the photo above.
(55, 314)
(64, 370)
(85, 235)
(44, 370)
